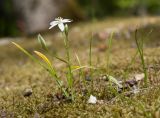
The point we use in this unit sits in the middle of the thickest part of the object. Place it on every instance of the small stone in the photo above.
(102, 47)
(87, 75)
(92, 100)
(104, 77)
(100, 101)
(59, 96)
(103, 35)
(119, 90)
(87, 78)
(3, 114)
(120, 82)
(131, 82)
(139, 77)
(27, 92)
(135, 90)
(36, 115)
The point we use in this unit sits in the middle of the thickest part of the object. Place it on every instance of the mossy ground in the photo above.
(18, 72)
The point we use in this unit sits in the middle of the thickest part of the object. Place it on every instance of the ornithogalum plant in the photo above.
(64, 29)
(47, 64)
(69, 92)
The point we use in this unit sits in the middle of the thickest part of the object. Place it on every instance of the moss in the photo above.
(18, 73)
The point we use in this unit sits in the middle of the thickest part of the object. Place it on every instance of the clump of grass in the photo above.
(108, 53)
(126, 73)
(140, 45)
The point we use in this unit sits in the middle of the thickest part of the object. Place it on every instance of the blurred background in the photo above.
(27, 17)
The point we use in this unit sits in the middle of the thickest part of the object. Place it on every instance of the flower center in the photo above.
(59, 19)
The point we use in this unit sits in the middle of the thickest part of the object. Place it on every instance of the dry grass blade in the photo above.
(44, 58)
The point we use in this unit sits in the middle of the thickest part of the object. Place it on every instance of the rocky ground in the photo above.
(26, 89)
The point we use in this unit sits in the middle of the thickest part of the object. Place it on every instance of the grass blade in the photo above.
(81, 67)
(61, 59)
(44, 58)
(140, 50)
(109, 51)
(24, 51)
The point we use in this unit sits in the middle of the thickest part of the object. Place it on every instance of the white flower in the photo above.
(92, 100)
(60, 22)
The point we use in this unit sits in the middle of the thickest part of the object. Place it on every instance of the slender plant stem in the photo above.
(70, 76)
(53, 74)
(134, 57)
(90, 51)
(90, 60)
(108, 52)
(141, 53)
(81, 73)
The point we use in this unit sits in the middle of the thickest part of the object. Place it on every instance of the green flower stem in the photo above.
(53, 74)
(70, 76)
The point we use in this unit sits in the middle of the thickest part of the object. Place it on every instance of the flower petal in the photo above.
(61, 26)
(66, 20)
(53, 24)
(51, 27)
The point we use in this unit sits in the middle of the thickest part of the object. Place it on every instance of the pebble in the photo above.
(87, 78)
(92, 100)
(102, 47)
(139, 77)
(103, 77)
(27, 92)
(36, 115)
(131, 83)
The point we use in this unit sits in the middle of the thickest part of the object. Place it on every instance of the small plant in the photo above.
(108, 53)
(139, 44)
(69, 92)
(133, 59)
(46, 64)
(64, 29)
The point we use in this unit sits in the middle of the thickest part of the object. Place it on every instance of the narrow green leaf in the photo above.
(24, 51)
(81, 67)
(60, 59)
(29, 55)
(47, 67)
